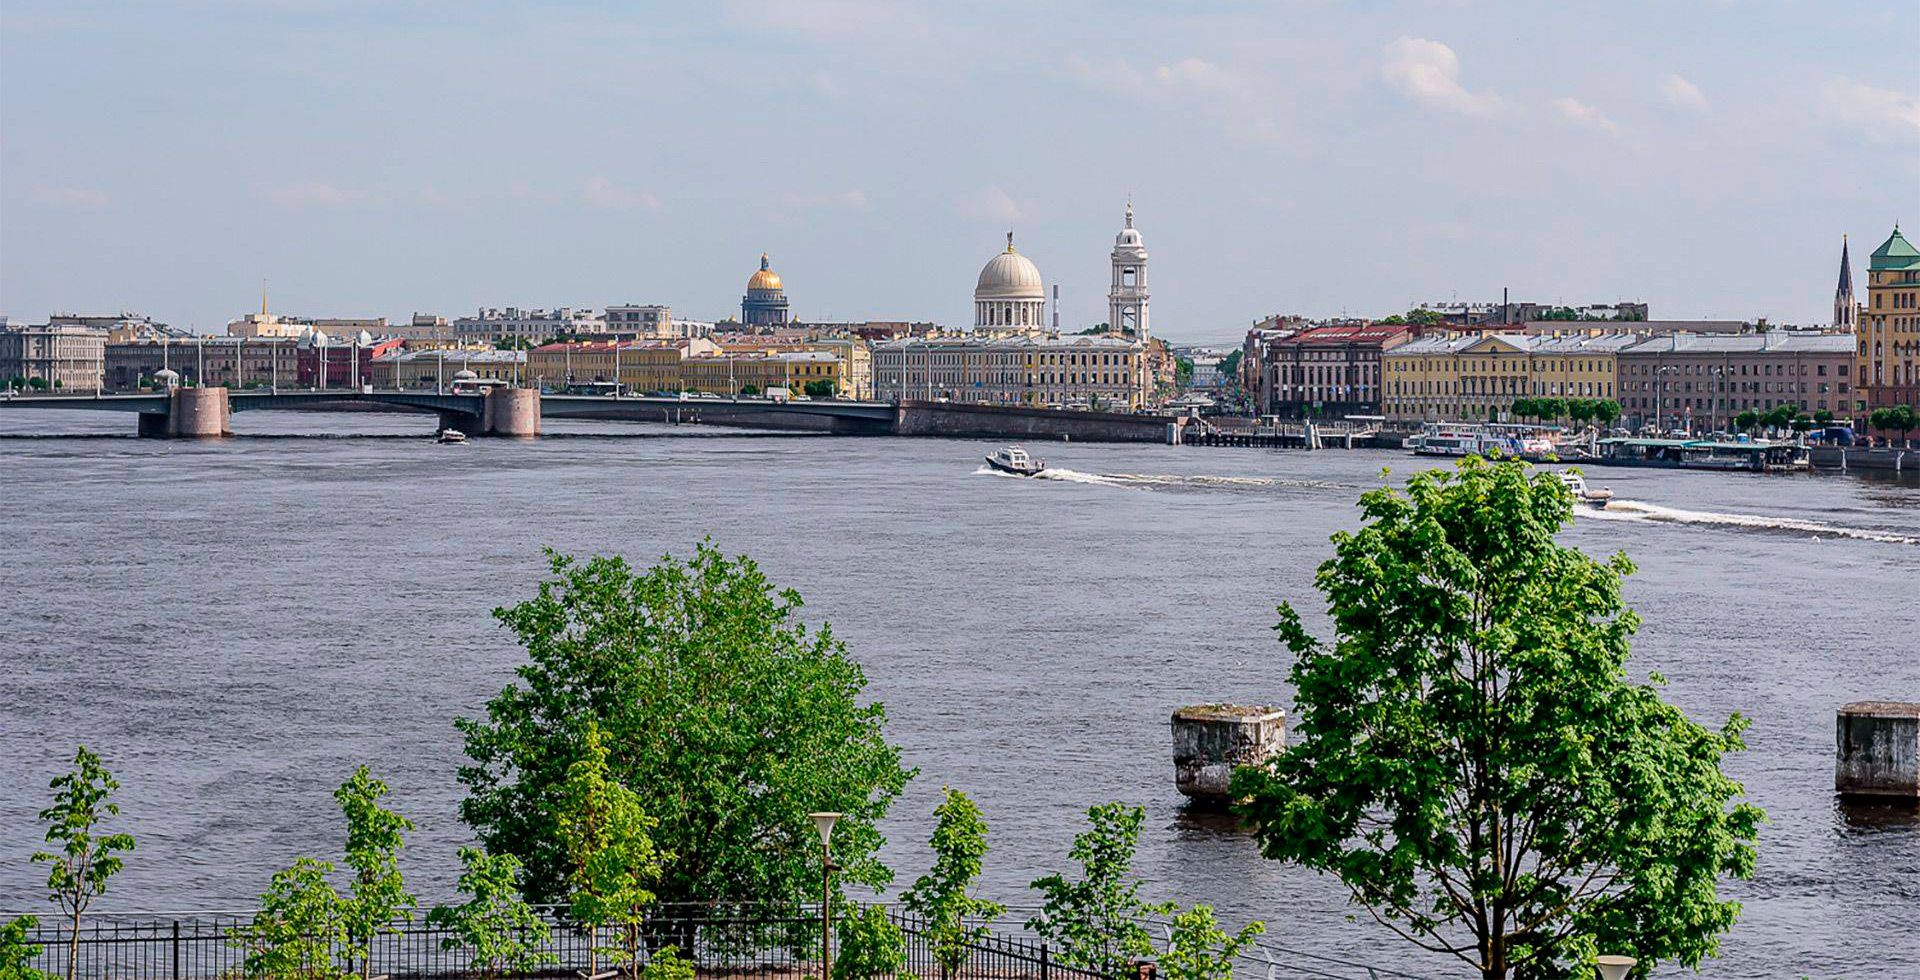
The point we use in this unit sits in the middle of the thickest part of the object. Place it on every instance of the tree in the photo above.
(871, 946)
(301, 922)
(374, 838)
(1473, 763)
(749, 389)
(1606, 411)
(1095, 922)
(1198, 949)
(500, 929)
(16, 953)
(730, 718)
(85, 859)
(1747, 421)
(823, 388)
(609, 851)
(1823, 418)
(1183, 371)
(1903, 419)
(1579, 410)
(949, 915)
(1230, 368)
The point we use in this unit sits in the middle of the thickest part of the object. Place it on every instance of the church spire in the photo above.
(1845, 310)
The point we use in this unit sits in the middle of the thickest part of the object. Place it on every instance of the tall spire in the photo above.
(1129, 210)
(263, 297)
(1845, 310)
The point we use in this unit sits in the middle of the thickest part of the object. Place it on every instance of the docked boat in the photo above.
(1758, 456)
(1015, 460)
(1583, 494)
(450, 436)
(1454, 439)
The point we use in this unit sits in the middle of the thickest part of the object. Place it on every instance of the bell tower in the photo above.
(1127, 294)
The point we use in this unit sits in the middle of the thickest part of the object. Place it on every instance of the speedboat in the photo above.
(1582, 494)
(1015, 460)
(450, 436)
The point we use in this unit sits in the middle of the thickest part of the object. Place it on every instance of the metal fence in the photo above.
(762, 946)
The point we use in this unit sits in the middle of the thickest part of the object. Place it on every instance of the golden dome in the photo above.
(766, 278)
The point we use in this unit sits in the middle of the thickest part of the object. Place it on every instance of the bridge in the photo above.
(201, 413)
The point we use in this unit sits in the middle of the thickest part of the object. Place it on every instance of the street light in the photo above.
(823, 822)
(1615, 967)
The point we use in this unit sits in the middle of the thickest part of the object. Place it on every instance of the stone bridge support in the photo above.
(1877, 751)
(511, 412)
(192, 413)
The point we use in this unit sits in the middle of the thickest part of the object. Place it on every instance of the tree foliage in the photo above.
(729, 717)
(951, 916)
(1472, 761)
(377, 893)
(1198, 949)
(1095, 921)
(871, 946)
(501, 932)
(610, 854)
(16, 953)
(301, 923)
(84, 859)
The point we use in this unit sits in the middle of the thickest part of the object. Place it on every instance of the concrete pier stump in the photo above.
(511, 412)
(198, 413)
(1877, 751)
(1211, 740)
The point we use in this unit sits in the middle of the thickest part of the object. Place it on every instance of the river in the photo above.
(234, 625)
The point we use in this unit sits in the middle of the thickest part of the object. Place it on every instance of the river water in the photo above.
(235, 625)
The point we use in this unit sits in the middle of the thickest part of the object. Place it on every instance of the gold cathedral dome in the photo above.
(766, 278)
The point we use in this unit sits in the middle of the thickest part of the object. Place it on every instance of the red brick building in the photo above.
(1327, 371)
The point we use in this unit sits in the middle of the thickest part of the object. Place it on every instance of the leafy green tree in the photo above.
(1230, 368)
(1198, 949)
(1747, 421)
(84, 858)
(1903, 419)
(1823, 418)
(612, 857)
(1183, 371)
(1096, 921)
(1580, 410)
(1473, 763)
(952, 918)
(495, 924)
(302, 921)
(871, 946)
(378, 894)
(823, 388)
(1606, 411)
(749, 389)
(729, 717)
(16, 953)
(668, 964)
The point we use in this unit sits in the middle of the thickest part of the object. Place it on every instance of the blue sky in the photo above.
(378, 158)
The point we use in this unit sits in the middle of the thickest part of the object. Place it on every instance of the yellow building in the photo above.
(690, 364)
(1888, 339)
(1476, 378)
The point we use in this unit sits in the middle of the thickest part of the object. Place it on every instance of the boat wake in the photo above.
(1168, 481)
(1635, 510)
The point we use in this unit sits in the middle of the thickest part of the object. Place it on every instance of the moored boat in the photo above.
(1015, 460)
(1758, 456)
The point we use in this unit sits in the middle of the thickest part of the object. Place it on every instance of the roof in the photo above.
(1431, 345)
(1347, 333)
(1771, 342)
(1098, 344)
(1606, 343)
(1894, 254)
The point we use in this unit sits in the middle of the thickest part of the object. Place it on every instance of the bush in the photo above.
(667, 964)
(870, 945)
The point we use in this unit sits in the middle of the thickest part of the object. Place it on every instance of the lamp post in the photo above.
(824, 822)
(1614, 967)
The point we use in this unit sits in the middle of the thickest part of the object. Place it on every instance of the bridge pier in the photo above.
(192, 413)
(511, 412)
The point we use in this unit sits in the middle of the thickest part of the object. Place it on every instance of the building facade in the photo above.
(1329, 370)
(765, 304)
(628, 320)
(231, 361)
(1127, 288)
(1692, 382)
(531, 327)
(1888, 336)
(438, 369)
(1079, 372)
(1467, 377)
(54, 356)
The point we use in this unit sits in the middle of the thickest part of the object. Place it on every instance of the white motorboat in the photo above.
(450, 436)
(1582, 494)
(1015, 460)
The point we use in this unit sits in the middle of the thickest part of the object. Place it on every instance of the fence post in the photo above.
(176, 949)
(1044, 960)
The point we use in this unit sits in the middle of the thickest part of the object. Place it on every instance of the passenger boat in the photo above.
(1452, 439)
(1704, 454)
(1582, 494)
(450, 436)
(1015, 460)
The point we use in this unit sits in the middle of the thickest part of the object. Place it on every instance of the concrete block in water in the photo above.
(1877, 750)
(1211, 740)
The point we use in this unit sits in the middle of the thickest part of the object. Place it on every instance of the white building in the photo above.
(640, 321)
(1009, 297)
(1127, 293)
(490, 325)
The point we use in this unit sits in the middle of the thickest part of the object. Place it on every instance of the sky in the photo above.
(378, 158)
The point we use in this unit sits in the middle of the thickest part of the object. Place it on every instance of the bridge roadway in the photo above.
(470, 413)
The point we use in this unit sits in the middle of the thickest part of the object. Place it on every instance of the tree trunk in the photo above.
(73, 945)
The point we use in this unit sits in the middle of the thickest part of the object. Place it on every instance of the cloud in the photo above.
(851, 199)
(989, 204)
(1575, 111)
(311, 194)
(70, 197)
(1682, 94)
(604, 193)
(1883, 114)
(829, 20)
(1428, 72)
(1223, 93)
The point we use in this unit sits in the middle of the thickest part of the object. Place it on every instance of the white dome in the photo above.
(1010, 275)
(1127, 238)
